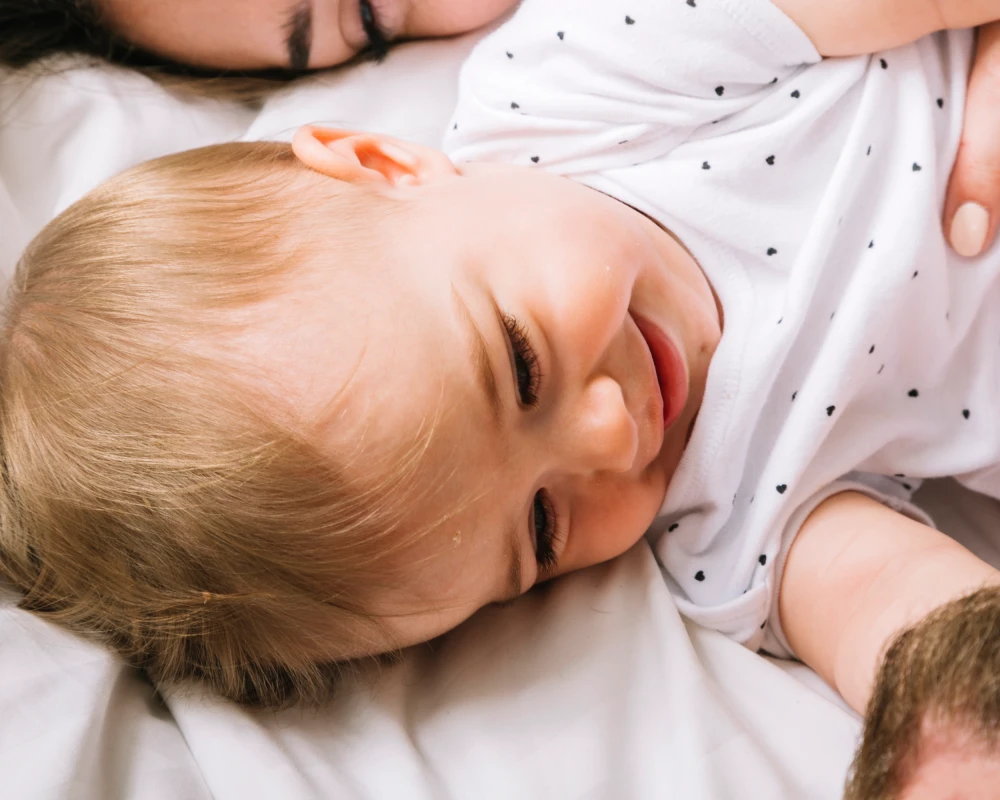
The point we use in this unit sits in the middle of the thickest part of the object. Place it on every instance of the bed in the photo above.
(591, 687)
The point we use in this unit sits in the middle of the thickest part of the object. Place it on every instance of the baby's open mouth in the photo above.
(671, 372)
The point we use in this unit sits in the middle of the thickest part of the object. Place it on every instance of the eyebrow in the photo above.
(483, 367)
(482, 364)
(514, 569)
(299, 27)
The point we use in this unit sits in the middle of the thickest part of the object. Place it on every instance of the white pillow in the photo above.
(411, 95)
(62, 134)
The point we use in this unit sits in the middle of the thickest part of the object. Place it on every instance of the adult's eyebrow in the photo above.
(482, 364)
(299, 29)
(514, 567)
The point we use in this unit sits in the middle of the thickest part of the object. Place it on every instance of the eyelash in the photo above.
(378, 43)
(545, 539)
(544, 522)
(525, 362)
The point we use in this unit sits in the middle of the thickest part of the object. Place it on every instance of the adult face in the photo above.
(287, 34)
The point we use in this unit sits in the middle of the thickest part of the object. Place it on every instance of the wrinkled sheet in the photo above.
(592, 687)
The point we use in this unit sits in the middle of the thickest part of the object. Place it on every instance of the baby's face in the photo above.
(283, 34)
(550, 342)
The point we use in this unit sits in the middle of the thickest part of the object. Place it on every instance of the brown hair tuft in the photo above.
(941, 674)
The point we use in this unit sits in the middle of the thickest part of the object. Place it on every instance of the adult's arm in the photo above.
(856, 27)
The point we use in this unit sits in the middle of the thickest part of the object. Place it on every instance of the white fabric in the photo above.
(74, 723)
(810, 191)
(62, 135)
(589, 688)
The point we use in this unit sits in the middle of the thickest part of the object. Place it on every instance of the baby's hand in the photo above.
(932, 728)
(970, 213)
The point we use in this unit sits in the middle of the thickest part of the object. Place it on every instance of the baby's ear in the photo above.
(369, 157)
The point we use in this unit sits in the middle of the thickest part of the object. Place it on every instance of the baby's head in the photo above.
(269, 409)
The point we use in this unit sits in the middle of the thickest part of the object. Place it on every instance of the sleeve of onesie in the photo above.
(578, 86)
(878, 487)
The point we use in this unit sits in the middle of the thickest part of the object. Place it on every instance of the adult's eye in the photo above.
(378, 42)
(544, 527)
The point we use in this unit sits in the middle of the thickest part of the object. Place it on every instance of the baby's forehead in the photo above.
(369, 360)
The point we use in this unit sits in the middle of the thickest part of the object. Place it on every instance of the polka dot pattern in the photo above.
(752, 164)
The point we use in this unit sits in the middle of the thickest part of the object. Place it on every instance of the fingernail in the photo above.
(969, 229)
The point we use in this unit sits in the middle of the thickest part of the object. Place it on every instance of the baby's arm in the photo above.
(856, 27)
(859, 572)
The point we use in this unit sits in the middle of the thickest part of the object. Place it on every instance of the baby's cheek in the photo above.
(608, 523)
(589, 308)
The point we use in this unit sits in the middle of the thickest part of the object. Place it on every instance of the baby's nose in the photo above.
(601, 435)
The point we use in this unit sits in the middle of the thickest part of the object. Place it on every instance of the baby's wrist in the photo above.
(907, 592)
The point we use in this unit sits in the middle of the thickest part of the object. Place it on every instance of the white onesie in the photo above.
(859, 351)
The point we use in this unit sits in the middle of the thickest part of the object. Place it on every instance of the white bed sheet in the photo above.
(592, 687)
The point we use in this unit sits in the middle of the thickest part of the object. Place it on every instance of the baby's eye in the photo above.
(543, 527)
(526, 368)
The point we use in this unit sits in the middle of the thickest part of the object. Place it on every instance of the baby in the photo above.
(267, 410)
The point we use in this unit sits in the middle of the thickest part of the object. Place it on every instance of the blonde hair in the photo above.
(150, 496)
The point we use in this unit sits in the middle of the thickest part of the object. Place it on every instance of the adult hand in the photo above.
(973, 203)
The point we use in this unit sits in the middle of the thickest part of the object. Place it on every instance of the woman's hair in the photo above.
(939, 679)
(33, 31)
(150, 495)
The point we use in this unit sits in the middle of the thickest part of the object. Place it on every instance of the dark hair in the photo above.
(32, 30)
